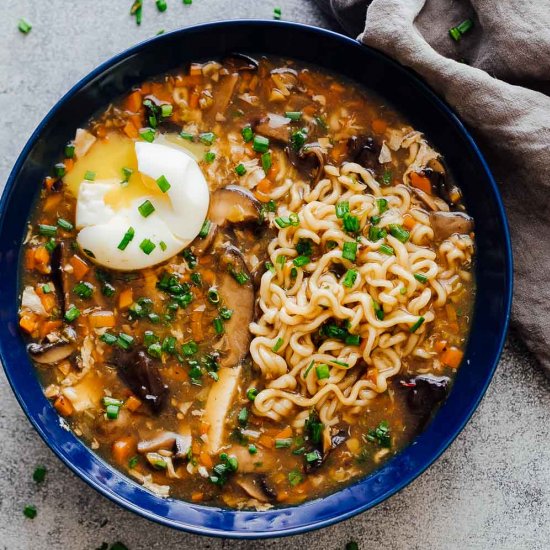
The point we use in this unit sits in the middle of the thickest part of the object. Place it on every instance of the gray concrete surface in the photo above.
(491, 489)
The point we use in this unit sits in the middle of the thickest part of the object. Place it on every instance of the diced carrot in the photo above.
(48, 301)
(205, 426)
(132, 403)
(264, 186)
(101, 131)
(194, 100)
(336, 87)
(28, 323)
(261, 196)
(145, 88)
(49, 326)
(123, 448)
(52, 201)
(273, 171)
(196, 326)
(160, 91)
(64, 367)
(206, 460)
(452, 357)
(69, 164)
(137, 120)
(125, 298)
(338, 150)
(29, 259)
(80, 267)
(379, 126)
(453, 327)
(208, 276)
(195, 69)
(150, 280)
(421, 182)
(196, 448)
(102, 319)
(266, 441)
(440, 345)
(197, 497)
(408, 222)
(42, 260)
(282, 495)
(372, 375)
(48, 182)
(284, 434)
(133, 102)
(451, 312)
(130, 130)
(63, 406)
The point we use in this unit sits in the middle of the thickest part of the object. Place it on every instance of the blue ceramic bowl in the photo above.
(425, 111)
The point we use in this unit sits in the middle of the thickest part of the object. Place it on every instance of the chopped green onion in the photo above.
(240, 169)
(218, 325)
(124, 341)
(421, 278)
(107, 400)
(283, 222)
(148, 134)
(89, 175)
(375, 219)
(46, 289)
(386, 249)
(169, 345)
(399, 232)
(189, 348)
(283, 443)
(247, 133)
(239, 276)
(83, 290)
(376, 233)
(331, 245)
(128, 236)
(209, 157)
(349, 278)
(349, 251)
(242, 417)
(207, 138)
(166, 109)
(298, 138)
(225, 313)
(161, 5)
(386, 177)
(342, 208)
(260, 144)
(126, 174)
(146, 208)
(277, 345)
(64, 224)
(382, 205)
(403, 290)
(50, 245)
(293, 115)
(147, 246)
(313, 456)
(163, 184)
(204, 229)
(109, 339)
(266, 161)
(295, 478)
(69, 150)
(352, 545)
(187, 2)
(252, 449)
(186, 135)
(277, 13)
(378, 311)
(461, 29)
(322, 371)
(30, 509)
(59, 170)
(351, 223)
(47, 230)
(163, 246)
(341, 363)
(281, 260)
(417, 325)
(294, 219)
(320, 121)
(24, 26)
(353, 339)
(213, 295)
(72, 314)
(39, 474)
(252, 393)
(132, 463)
(306, 372)
(301, 261)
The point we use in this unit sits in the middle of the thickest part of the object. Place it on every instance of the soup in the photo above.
(247, 283)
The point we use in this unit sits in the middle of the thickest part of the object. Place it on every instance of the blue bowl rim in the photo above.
(443, 444)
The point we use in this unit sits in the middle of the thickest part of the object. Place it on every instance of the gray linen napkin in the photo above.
(500, 94)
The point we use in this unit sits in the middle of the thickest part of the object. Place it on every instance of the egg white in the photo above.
(178, 217)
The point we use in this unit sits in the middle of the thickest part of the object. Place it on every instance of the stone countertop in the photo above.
(491, 489)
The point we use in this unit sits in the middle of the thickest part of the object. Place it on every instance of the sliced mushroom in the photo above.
(364, 150)
(256, 487)
(170, 441)
(52, 352)
(220, 398)
(445, 224)
(436, 172)
(224, 93)
(234, 204)
(239, 298)
(242, 62)
(274, 127)
(143, 377)
(310, 160)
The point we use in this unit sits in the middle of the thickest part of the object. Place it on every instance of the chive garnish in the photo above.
(72, 314)
(240, 169)
(24, 26)
(322, 371)
(128, 236)
(64, 224)
(89, 175)
(417, 325)
(349, 278)
(421, 278)
(349, 251)
(386, 249)
(147, 246)
(146, 208)
(277, 345)
(209, 157)
(293, 115)
(260, 144)
(306, 372)
(148, 134)
(342, 208)
(247, 133)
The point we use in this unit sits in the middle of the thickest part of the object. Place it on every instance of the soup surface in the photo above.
(247, 283)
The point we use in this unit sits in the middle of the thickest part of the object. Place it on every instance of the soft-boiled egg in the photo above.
(147, 220)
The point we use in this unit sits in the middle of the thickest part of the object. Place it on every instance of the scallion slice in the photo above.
(386, 249)
(322, 371)
(349, 251)
(417, 325)
(277, 345)
(266, 161)
(399, 232)
(260, 144)
(293, 115)
(148, 134)
(240, 169)
(342, 208)
(146, 208)
(349, 278)
(147, 246)
(89, 175)
(205, 229)
(64, 224)
(72, 314)
(421, 278)
(163, 184)
(301, 261)
(128, 236)
(247, 133)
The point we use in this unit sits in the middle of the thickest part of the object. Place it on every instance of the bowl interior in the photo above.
(426, 113)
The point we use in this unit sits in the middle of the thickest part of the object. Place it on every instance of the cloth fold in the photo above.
(497, 77)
